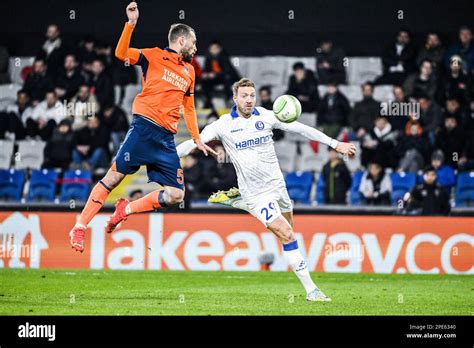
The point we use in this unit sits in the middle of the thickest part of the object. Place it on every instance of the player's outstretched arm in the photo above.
(208, 133)
(316, 135)
(123, 50)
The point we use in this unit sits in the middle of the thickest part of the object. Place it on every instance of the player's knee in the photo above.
(175, 196)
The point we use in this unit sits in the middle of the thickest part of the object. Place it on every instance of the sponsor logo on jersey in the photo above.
(253, 142)
(236, 130)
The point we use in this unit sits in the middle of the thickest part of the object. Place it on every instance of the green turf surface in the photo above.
(89, 292)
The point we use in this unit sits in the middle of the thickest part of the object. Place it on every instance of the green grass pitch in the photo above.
(91, 292)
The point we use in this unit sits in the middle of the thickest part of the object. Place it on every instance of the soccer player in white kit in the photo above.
(246, 134)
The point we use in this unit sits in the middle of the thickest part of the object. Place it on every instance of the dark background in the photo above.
(250, 27)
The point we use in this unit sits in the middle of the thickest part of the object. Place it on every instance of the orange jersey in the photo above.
(168, 84)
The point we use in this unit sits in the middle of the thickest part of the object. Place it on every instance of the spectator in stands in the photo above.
(330, 63)
(460, 112)
(101, 83)
(365, 112)
(376, 186)
(333, 111)
(46, 115)
(13, 119)
(429, 198)
(412, 149)
(443, 170)
(399, 122)
(69, 79)
(337, 179)
(87, 52)
(114, 118)
(466, 161)
(378, 145)
(218, 70)
(85, 105)
(398, 60)
(265, 96)
(58, 150)
(422, 82)
(197, 73)
(53, 50)
(91, 146)
(135, 194)
(451, 139)
(432, 51)
(430, 117)
(303, 86)
(464, 49)
(455, 83)
(194, 175)
(219, 174)
(266, 101)
(38, 82)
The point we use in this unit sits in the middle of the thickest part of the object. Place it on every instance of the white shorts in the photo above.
(268, 207)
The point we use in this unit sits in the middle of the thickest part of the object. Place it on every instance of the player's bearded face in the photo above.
(245, 100)
(189, 49)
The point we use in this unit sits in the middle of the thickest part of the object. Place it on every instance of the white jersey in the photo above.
(249, 145)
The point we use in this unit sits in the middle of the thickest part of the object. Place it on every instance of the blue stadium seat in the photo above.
(402, 182)
(465, 189)
(76, 185)
(320, 190)
(42, 185)
(11, 184)
(299, 186)
(356, 197)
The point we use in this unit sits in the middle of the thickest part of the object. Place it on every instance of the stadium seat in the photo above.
(76, 185)
(362, 69)
(383, 93)
(16, 65)
(299, 186)
(6, 152)
(11, 184)
(42, 185)
(8, 93)
(465, 189)
(353, 163)
(355, 196)
(311, 160)
(352, 92)
(30, 154)
(129, 95)
(320, 190)
(268, 71)
(286, 153)
(402, 182)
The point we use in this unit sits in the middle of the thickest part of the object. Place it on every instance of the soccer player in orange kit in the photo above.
(168, 84)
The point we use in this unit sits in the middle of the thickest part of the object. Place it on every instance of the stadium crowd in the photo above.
(68, 101)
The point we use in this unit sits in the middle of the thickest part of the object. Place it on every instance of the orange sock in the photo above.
(151, 201)
(94, 203)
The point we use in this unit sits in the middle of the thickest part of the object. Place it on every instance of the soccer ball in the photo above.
(287, 108)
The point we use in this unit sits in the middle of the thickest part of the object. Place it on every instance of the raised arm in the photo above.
(208, 133)
(123, 51)
(316, 135)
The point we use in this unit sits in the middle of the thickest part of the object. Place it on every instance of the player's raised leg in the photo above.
(284, 232)
(93, 205)
(154, 200)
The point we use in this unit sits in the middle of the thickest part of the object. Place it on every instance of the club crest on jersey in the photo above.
(186, 70)
(259, 125)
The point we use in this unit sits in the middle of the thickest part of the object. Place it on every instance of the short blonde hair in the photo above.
(243, 82)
